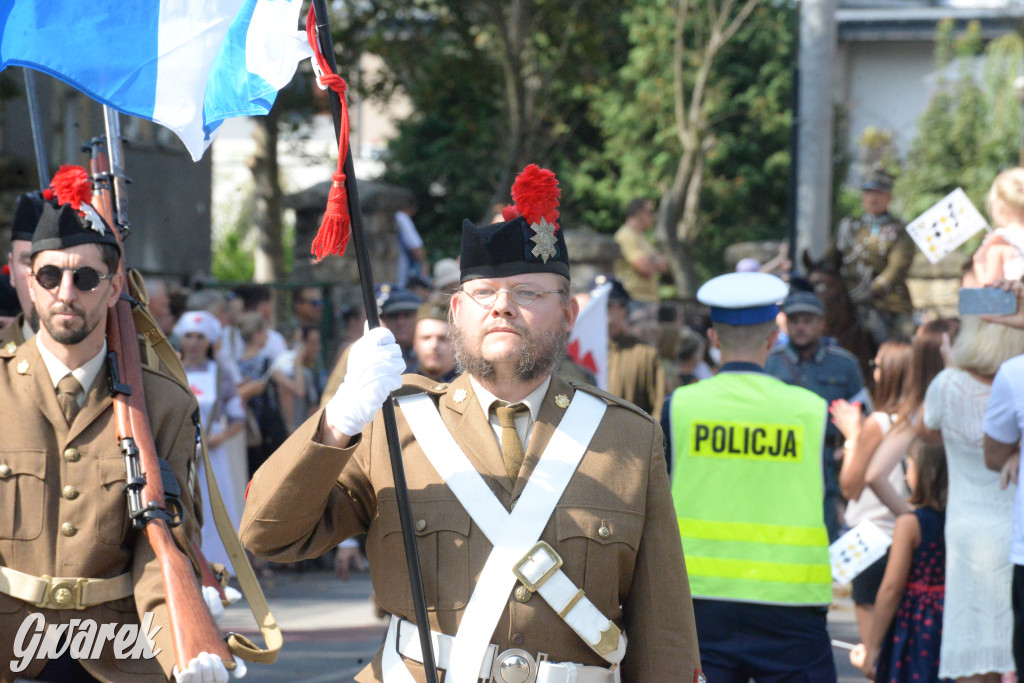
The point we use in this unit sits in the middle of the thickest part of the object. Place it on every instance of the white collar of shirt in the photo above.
(524, 421)
(86, 374)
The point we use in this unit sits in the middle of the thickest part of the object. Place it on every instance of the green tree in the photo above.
(494, 85)
(971, 128)
(699, 116)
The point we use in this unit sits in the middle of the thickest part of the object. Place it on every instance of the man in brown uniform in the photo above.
(503, 426)
(26, 215)
(635, 372)
(63, 512)
(876, 253)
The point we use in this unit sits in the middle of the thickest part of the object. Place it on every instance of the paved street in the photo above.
(331, 632)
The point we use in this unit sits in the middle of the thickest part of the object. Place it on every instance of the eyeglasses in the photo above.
(85, 278)
(873, 364)
(524, 295)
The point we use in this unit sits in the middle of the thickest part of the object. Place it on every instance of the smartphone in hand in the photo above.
(987, 301)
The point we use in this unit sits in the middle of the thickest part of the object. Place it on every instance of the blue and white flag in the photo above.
(185, 64)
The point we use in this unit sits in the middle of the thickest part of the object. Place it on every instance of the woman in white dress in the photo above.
(221, 413)
(978, 621)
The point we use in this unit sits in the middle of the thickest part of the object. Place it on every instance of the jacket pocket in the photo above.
(22, 494)
(442, 542)
(599, 546)
(112, 510)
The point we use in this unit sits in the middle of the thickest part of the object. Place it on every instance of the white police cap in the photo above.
(743, 298)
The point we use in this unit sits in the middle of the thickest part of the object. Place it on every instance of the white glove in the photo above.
(375, 367)
(207, 668)
(212, 597)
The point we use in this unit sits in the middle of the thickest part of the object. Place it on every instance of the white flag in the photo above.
(945, 226)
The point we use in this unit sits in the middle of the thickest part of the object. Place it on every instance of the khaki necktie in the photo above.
(67, 395)
(511, 445)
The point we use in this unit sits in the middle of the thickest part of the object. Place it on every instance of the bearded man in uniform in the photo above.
(543, 517)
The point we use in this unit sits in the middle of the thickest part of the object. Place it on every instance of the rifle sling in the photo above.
(237, 643)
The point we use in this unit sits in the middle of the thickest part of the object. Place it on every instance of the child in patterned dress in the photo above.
(906, 632)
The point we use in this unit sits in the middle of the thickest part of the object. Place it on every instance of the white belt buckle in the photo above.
(514, 666)
(540, 559)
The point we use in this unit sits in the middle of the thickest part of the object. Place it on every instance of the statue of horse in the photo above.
(841, 321)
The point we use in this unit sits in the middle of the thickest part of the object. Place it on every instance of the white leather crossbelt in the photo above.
(510, 666)
(55, 592)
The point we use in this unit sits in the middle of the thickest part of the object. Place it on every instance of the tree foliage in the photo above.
(971, 128)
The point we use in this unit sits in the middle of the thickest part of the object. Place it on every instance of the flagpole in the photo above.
(38, 141)
(388, 409)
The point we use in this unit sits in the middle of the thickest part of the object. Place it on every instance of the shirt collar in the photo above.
(532, 401)
(741, 366)
(86, 374)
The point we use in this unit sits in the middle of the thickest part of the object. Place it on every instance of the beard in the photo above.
(539, 354)
(70, 335)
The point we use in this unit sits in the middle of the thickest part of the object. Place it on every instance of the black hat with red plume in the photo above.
(69, 220)
(529, 241)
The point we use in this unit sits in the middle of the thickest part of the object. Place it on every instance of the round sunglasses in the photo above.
(85, 278)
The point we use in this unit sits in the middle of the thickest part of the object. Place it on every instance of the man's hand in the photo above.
(375, 367)
(207, 668)
(213, 601)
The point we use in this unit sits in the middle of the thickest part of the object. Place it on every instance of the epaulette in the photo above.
(840, 352)
(611, 398)
(418, 384)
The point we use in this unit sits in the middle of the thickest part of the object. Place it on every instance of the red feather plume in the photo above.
(70, 185)
(536, 194)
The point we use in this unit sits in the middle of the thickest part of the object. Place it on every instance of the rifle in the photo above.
(192, 627)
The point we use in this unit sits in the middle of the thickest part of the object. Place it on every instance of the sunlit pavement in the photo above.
(331, 632)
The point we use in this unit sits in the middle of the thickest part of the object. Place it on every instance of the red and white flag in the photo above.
(588, 341)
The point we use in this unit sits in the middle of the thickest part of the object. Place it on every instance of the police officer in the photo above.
(812, 361)
(26, 215)
(635, 372)
(67, 549)
(542, 509)
(876, 253)
(747, 485)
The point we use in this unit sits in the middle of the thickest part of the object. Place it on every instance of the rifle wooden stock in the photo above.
(191, 624)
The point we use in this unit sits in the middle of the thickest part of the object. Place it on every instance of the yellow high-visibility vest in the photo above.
(747, 485)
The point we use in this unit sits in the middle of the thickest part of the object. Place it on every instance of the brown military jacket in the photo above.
(308, 497)
(636, 374)
(12, 334)
(877, 253)
(59, 475)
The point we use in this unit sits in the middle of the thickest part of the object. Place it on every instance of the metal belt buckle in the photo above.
(67, 594)
(514, 666)
(540, 553)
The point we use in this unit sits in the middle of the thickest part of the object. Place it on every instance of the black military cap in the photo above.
(26, 216)
(617, 292)
(530, 240)
(62, 227)
(878, 180)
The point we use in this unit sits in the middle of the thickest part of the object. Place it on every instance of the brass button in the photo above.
(604, 531)
(68, 529)
(522, 593)
(11, 347)
(440, 387)
(69, 492)
(518, 639)
(72, 455)
(421, 524)
(5, 471)
(63, 596)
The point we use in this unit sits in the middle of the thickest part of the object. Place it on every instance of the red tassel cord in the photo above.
(334, 232)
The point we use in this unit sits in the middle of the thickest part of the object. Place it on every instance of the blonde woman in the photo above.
(1001, 255)
(976, 637)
